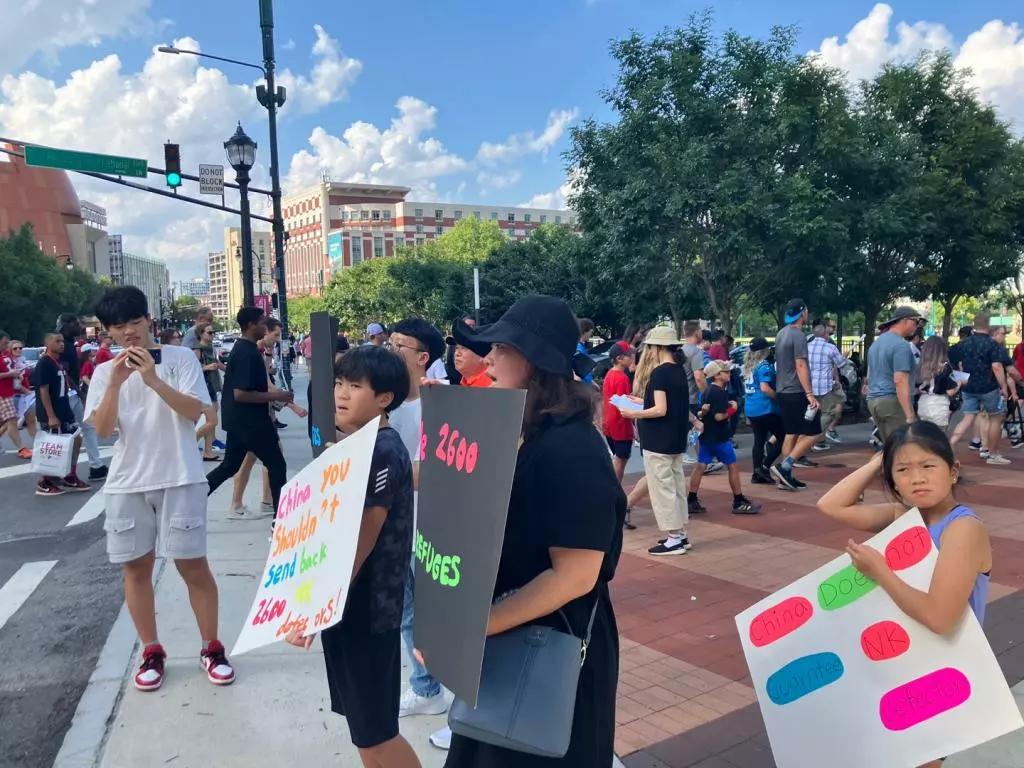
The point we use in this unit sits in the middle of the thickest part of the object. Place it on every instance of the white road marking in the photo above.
(22, 584)
(92, 509)
(26, 469)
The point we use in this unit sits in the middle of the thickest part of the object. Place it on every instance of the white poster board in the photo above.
(305, 582)
(845, 679)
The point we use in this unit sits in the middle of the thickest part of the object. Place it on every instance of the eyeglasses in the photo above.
(16, 349)
(395, 345)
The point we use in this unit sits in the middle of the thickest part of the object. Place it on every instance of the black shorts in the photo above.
(621, 449)
(792, 408)
(364, 673)
(213, 396)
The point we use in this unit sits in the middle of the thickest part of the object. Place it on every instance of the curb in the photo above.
(85, 739)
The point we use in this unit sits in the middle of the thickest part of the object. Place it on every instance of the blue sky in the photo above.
(481, 72)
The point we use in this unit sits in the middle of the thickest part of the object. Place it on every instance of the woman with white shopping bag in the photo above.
(935, 382)
(57, 444)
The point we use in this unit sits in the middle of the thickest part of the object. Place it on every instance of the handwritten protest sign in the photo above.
(305, 583)
(468, 449)
(845, 679)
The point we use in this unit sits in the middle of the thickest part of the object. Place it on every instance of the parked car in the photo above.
(599, 354)
(33, 355)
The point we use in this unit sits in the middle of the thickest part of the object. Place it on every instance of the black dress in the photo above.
(564, 495)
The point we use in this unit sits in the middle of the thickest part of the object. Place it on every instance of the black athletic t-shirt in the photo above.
(378, 593)
(51, 374)
(667, 434)
(715, 432)
(245, 371)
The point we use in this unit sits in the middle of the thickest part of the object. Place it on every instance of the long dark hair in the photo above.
(551, 396)
(928, 436)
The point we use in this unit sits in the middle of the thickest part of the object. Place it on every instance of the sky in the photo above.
(459, 100)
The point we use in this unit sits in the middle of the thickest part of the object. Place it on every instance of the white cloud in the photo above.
(400, 154)
(994, 53)
(556, 200)
(47, 26)
(490, 181)
(329, 80)
(529, 143)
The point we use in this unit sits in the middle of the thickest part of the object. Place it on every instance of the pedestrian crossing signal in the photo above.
(172, 165)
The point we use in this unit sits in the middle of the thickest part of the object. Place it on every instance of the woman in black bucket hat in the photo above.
(563, 534)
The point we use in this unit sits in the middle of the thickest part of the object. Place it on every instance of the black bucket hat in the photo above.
(542, 329)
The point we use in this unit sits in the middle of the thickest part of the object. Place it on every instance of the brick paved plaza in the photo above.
(685, 698)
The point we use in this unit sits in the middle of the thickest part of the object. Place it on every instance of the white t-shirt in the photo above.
(407, 419)
(438, 371)
(156, 447)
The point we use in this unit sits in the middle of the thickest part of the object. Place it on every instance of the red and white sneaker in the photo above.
(151, 672)
(215, 661)
(48, 488)
(72, 483)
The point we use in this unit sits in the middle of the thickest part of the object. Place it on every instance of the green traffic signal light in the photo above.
(173, 179)
(172, 165)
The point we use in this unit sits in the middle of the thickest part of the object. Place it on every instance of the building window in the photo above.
(419, 214)
(543, 219)
(357, 250)
(476, 215)
(419, 229)
(494, 215)
(378, 246)
(387, 215)
(344, 215)
(438, 214)
(512, 217)
(364, 215)
(440, 229)
(376, 215)
(526, 218)
(458, 215)
(419, 241)
(558, 219)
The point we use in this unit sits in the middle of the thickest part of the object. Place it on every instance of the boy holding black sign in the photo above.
(363, 653)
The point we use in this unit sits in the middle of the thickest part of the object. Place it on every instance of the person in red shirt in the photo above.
(8, 405)
(103, 354)
(471, 365)
(717, 350)
(618, 431)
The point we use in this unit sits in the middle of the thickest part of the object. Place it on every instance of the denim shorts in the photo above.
(988, 402)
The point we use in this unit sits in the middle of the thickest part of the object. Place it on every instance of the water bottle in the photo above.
(692, 439)
(1002, 404)
(810, 413)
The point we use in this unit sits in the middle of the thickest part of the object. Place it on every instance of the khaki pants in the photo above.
(888, 415)
(667, 486)
(828, 407)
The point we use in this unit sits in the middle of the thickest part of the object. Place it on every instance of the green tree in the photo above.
(299, 310)
(363, 294)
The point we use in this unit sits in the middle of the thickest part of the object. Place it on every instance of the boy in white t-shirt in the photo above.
(156, 489)
(419, 344)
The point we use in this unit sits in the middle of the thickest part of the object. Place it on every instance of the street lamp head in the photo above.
(169, 49)
(241, 150)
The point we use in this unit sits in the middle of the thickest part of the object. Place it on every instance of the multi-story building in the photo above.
(115, 249)
(152, 278)
(199, 287)
(218, 296)
(335, 225)
(262, 266)
(94, 252)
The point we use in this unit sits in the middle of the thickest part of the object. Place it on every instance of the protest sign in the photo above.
(468, 449)
(324, 333)
(845, 679)
(305, 583)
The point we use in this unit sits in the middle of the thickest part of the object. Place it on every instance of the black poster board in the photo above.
(323, 330)
(468, 456)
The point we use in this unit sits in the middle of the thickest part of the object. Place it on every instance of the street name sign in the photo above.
(68, 160)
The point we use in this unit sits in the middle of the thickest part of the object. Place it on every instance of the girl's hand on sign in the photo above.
(295, 638)
(425, 382)
(867, 560)
(298, 410)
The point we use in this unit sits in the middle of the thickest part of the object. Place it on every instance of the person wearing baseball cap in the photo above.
(715, 443)
(618, 431)
(890, 384)
(760, 409)
(376, 334)
(794, 395)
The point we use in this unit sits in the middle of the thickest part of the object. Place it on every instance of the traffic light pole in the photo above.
(272, 100)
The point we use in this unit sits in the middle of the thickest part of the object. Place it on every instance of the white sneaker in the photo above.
(442, 739)
(688, 459)
(821, 447)
(244, 513)
(410, 704)
(714, 466)
(996, 458)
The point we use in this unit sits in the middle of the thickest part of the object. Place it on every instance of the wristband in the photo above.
(731, 412)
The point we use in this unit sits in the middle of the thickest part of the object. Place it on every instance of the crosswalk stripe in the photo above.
(92, 509)
(20, 586)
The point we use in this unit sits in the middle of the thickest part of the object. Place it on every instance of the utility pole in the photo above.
(272, 98)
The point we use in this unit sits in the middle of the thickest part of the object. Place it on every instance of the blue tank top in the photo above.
(979, 594)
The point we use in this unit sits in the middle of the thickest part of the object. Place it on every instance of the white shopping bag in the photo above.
(52, 454)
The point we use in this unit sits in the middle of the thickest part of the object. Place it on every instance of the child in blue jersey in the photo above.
(920, 470)
(761, 410)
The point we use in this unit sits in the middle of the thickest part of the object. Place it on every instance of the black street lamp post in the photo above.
(241, 152)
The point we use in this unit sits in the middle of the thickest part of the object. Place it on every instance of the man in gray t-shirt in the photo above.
(693, 361)
(790, 346)
(891, 369)
(203, 315)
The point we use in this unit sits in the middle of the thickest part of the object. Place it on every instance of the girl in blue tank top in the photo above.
(920, 470)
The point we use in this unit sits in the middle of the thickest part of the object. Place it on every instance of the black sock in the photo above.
(738, 499)
(691, 497)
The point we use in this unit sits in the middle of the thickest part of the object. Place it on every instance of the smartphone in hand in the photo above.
(157, 354)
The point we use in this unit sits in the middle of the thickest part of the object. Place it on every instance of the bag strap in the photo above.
(590, 624)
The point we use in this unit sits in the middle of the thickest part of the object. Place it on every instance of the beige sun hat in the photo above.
(662, 336)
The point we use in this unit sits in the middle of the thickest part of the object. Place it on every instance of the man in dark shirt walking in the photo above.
(69, 326)
(987, 389)
(245, 408)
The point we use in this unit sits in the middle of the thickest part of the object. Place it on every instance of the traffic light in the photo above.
(273, 300)
(172, 165)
